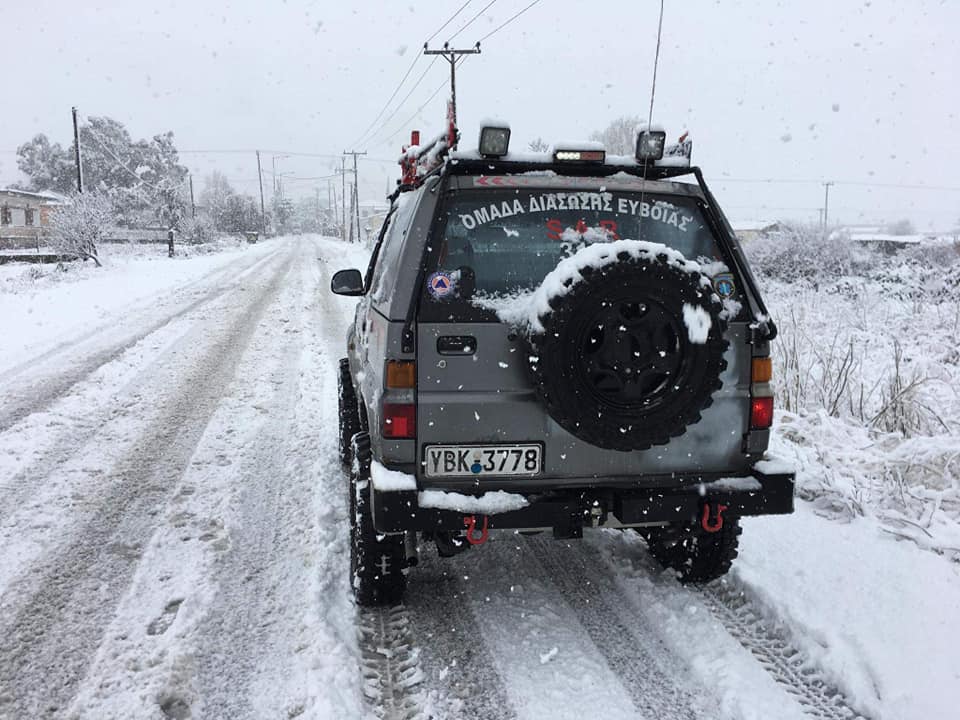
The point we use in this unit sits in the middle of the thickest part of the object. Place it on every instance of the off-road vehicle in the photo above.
(554, 342)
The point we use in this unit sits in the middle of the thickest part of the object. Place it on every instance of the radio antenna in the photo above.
(656, 60)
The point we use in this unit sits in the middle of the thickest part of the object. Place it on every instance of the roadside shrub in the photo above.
(198, 230)
(805, 252)
(78, 227)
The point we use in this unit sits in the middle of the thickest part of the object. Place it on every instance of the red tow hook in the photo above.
(471, 522)
(712, 526)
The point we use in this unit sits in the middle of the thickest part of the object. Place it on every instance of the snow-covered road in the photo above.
(175, 545)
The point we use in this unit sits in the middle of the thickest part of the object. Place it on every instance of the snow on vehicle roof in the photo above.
(578, 145)
(494, 122)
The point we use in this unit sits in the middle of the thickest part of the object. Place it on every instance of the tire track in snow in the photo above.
(626, 640)
(390, 665)
(22, 400)
(244, 629)
(459, 677)
(52, 620)
(729, 602)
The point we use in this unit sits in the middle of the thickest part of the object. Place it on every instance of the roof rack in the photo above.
(417, 161)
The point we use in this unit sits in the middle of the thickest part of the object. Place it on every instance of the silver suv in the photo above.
(554, 342)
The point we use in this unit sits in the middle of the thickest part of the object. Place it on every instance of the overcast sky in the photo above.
(854, 92)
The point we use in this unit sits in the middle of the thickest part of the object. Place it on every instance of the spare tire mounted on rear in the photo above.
(628, 345)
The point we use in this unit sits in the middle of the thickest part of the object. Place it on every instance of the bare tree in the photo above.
(539, 145)
(620, 136)
(78, 227)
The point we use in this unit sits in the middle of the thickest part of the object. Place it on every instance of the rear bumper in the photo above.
(569, 509)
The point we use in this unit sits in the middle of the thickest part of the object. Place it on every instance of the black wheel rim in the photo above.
(631, 353)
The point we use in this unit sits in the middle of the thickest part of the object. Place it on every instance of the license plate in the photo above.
(481, 460)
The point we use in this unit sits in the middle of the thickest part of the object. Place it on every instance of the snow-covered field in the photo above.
(175, 536)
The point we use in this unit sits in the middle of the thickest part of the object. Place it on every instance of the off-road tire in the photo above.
(377, 561)
(349, 416)
(696, 555)
(667, 391)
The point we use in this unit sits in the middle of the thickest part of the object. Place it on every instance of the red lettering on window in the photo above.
(611, 227)
(554, 229)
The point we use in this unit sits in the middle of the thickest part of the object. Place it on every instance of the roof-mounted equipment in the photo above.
(494, 140)
(417, 161)
(584, 154)
(678, 154)
(650, 145)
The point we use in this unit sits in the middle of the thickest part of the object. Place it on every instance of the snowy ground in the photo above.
(175, 543)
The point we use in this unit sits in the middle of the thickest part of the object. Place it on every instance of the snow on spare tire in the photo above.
(626, 343)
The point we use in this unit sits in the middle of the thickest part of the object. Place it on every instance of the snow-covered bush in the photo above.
(78, 227)
(198, 230)
(800, 251)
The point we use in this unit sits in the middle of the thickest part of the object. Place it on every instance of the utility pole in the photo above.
(343, 196)
(193, 205)
(336, 210)
(263, 210)
(450, 55)
(826, 203)
(356, 205)
(356, 181)
(76, 151)
(353, 197)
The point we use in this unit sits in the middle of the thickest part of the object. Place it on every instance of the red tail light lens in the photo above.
(399, 421)
(761, 413)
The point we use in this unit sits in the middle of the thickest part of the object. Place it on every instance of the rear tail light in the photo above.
(401, 374)
(761, 413)
(399, 421)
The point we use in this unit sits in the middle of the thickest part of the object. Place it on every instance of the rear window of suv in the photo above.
(502, 242)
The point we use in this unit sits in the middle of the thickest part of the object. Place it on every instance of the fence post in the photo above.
(170, 242)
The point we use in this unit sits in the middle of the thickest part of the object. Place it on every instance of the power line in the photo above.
(512, 18)
(252, 150)
(449, 20)
(400, 104)
(471, 20)
(364, 134)
(406, 124)
(861, 183)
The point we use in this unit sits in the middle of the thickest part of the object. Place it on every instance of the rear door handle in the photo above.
(456, 345)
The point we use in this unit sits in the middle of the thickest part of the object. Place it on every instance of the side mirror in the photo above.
(347, 282)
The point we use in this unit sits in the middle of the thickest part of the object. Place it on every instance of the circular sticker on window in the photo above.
(440, 284)
(724, 286)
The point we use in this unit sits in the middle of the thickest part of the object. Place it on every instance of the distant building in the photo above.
(751, 230)
(884, 242)
(25, 215)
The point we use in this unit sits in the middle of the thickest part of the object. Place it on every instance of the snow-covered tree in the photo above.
(227, 210)
(215, 196)
(78, 227)
(620, 136)
(283, 215)
(47, 165)
(144, 178)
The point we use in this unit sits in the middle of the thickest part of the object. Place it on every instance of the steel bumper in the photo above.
(571, 509)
